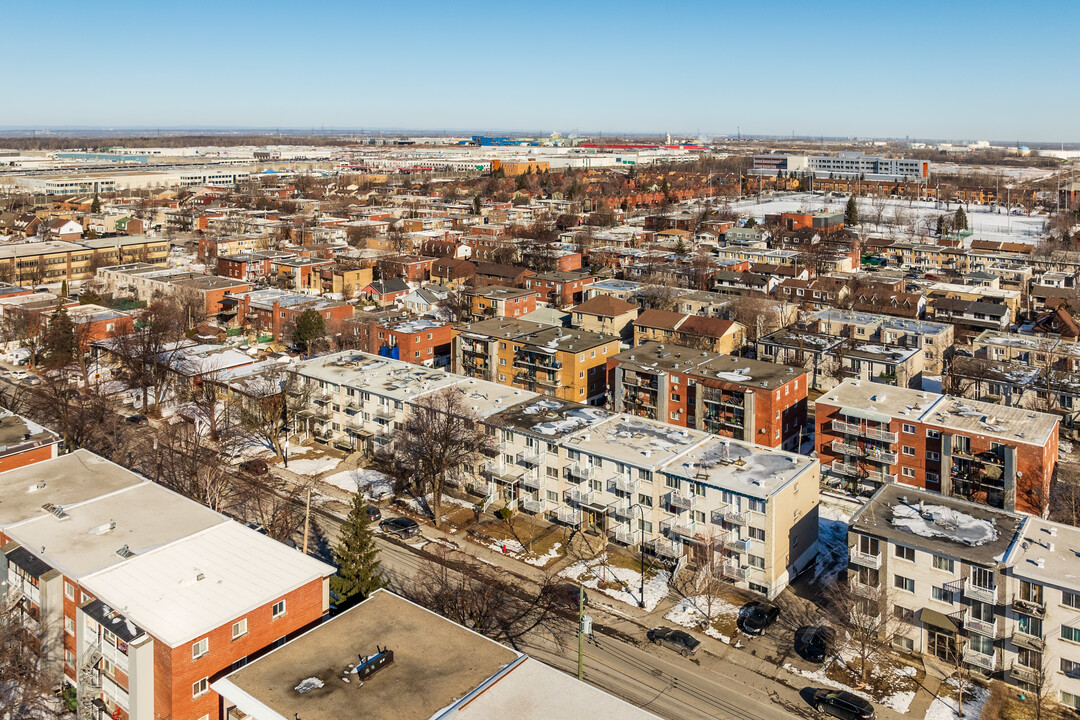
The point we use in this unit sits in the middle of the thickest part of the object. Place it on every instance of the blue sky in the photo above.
(946, 69)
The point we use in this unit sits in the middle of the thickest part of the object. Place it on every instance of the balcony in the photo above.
(531, 457)
(842, 448)
(114, 655)
(578, 496)
(1024, 674)
(478, 486)
(383, 413)
(568, 516)
(531, 505)
(620, 507)
(681, 528)
(982, 627)
(625, 535)
(975, 592)
(846, 428)
(631, 378)
(866, 591)
(534, 481)
(840, 468)
(735, 542)
(735, 572)
(736, 518)
(1028, 607)
(986, 662)
(680, 501)
(886, 456)
(662, 547)
(623, 484)
(577, 472)
(865, 559)
(503, 473)
(880, 477)
(1031, 642)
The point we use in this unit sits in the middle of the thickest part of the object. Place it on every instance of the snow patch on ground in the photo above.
(692, 611)
(373, 484)
(945, 708)
(832, 558)
(898, 701)
(516, 550)
(313, 466)
(591, 573)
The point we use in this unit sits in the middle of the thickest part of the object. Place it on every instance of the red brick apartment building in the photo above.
(736, 397)
(25, 443)
(870, 434)
(560, 288)
(419, 340)
(272, 310)
(146, 597)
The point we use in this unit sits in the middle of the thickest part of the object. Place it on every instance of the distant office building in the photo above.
(844, 165)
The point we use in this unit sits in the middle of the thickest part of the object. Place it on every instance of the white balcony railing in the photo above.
(568, 516)
(734, 571)
(531, 457)
(114, 655)
(975, 592)
(736, 518)
(865, 559)
(986, 662)
(534, 481)
(576, 472)
(579, 496)
(842, 448)
(680, 501)
(623, 484)
(664, 548)
(627, 536)
(533, 505)
(982, 627)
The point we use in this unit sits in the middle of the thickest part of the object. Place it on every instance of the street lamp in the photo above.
(641, 551)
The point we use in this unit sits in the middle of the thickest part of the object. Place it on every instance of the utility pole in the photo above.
(307, 519)
(581, 633)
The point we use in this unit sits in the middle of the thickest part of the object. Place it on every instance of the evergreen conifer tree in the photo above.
(95, 206)
(357, 556)
(960, 219)
(851, 212)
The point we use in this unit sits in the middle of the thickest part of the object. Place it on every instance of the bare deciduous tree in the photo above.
(441, 441)
(863, 615)
(27, 679)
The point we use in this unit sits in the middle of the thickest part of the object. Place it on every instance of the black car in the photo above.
(843, 705)
(137, 419)
(401, 526)
(812, 643)
(760, 617)
(681, 642)
(374, 514)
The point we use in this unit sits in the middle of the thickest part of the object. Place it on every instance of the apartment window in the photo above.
(904, 553)
(902, 613)
(755, 561)
(943, 563)
(908, 429)
(1029, 625)
(933, 434)
(757, 506)
(1070, 633)
(645, 500)
(69, 626)
(1070, 667)
(908, 472)
(1070, 599)
(981, 644)
(868, 576)
(756, 533)
(279, 609)
(239, 628)
(908, 450)
(69, 658)
(942, 595)
(931, 455)
(645, 525)
(69, 590)
(553, 496)
(932, 477)
(200, 648)
(905, 644)
(983, 578)
(1031, 592)
(903, 583)
(200, 688)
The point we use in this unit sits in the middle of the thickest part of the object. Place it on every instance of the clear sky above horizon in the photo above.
(944, 69)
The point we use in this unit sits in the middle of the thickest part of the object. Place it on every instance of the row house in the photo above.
(1014, 384)
(889, 302)
(560, 288)
(506, 275)
(300, 274)
(269, 312)
(934, 339)
(250, 266)
(868, 435)
(975, 293)
(831, 359)
(410, 268)
(1032, 351)
(715, 334)
(736, 397)
(145, 596)
(971, 317)
(385, 292)
(561, 362)
(452, 272)
(820, 292)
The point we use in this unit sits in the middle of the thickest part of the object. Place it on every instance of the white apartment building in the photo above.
(683, 493)
(1000, 588)
(845, 165)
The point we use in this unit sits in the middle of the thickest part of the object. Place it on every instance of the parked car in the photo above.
(137, 419)
(255, 466)
(17, 374)
(760, 617)
(843, 705)
(567, 595)
(681, 642)
(812, 642)
(374, 514)
(400, 526)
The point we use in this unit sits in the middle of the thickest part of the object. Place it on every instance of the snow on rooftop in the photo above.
(939, 521)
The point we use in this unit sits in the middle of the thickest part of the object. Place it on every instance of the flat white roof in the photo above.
(752, 470)
(395, 379)
(181, 591)
(635, 441)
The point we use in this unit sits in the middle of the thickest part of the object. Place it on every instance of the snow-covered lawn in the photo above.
(899, 701)
(692, 611)
(619, 583)
(373, 484)
(516, 550)
(945, 708)
(832, 542)
(313, 466)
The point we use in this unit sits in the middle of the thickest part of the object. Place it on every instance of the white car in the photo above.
(17, 374)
